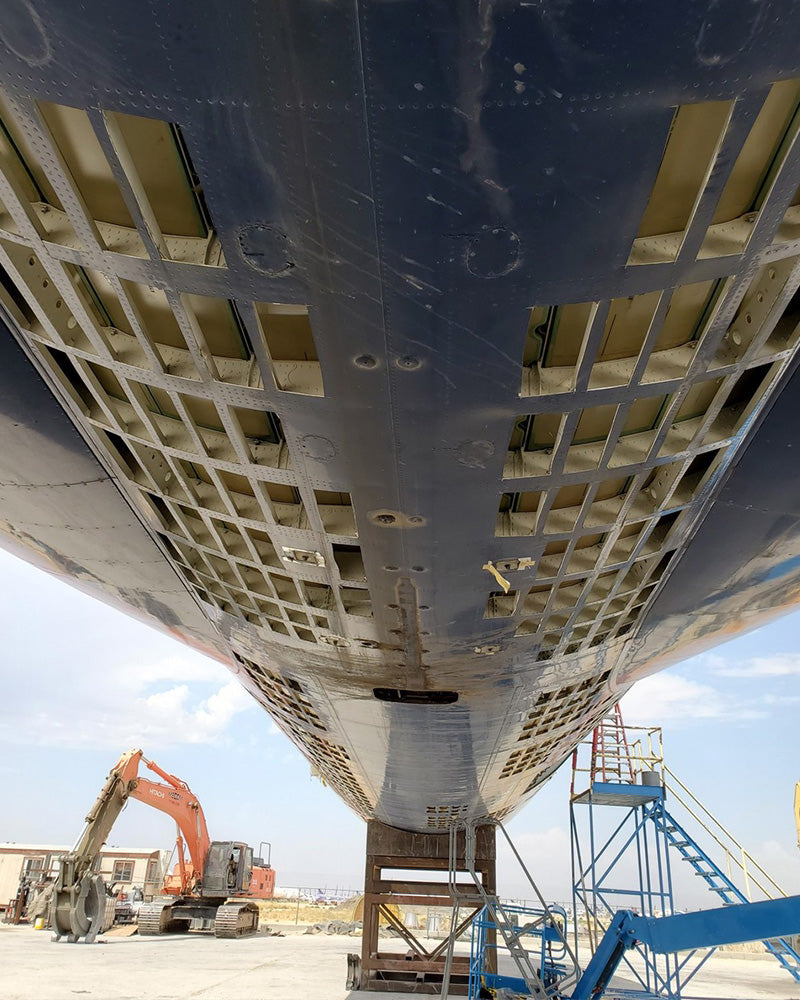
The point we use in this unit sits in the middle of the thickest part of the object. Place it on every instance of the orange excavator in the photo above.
(218, 881)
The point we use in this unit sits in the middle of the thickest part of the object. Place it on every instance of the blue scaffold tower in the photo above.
(624, 843)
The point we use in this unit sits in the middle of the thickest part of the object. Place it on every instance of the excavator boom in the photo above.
(178, 801)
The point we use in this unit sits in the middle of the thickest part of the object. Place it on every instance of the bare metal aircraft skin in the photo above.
(430, 365)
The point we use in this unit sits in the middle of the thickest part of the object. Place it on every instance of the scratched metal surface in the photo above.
(420, 174)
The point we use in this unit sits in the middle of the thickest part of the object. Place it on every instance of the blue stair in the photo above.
(719, 883)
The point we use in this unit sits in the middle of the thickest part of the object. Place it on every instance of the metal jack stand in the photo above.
(402, 870)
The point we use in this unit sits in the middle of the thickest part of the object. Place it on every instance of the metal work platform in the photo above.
(624, 861)
(606, 793)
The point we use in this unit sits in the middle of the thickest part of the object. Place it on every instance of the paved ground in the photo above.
(296, 967)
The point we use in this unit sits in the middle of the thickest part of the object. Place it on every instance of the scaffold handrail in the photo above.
(716, 830)
(546, 929)
(621, 758)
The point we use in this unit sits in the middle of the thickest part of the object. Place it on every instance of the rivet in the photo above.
(366, 361)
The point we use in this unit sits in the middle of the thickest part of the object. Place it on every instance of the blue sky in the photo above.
(81, 682)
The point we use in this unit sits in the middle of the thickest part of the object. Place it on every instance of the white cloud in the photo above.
(218, 710)
(673, 698)
(78, 674)
(708, 660)
(779, 665)
(547, 856)
(537, 843)
(178, 711)
(779, 700)
(177, 699)
(178, 668)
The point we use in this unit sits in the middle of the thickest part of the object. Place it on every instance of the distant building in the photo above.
(125, 867)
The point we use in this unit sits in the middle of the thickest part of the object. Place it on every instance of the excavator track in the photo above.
(235, 920)
(156, 918)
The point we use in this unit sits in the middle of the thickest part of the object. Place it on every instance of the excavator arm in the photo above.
(103, 814)
(77, 905)
(78, 902)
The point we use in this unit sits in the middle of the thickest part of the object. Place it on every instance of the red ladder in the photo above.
(612, 760)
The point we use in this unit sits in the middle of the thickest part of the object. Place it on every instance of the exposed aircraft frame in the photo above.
(434, 367)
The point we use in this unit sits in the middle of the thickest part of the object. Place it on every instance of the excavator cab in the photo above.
(228, 868)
